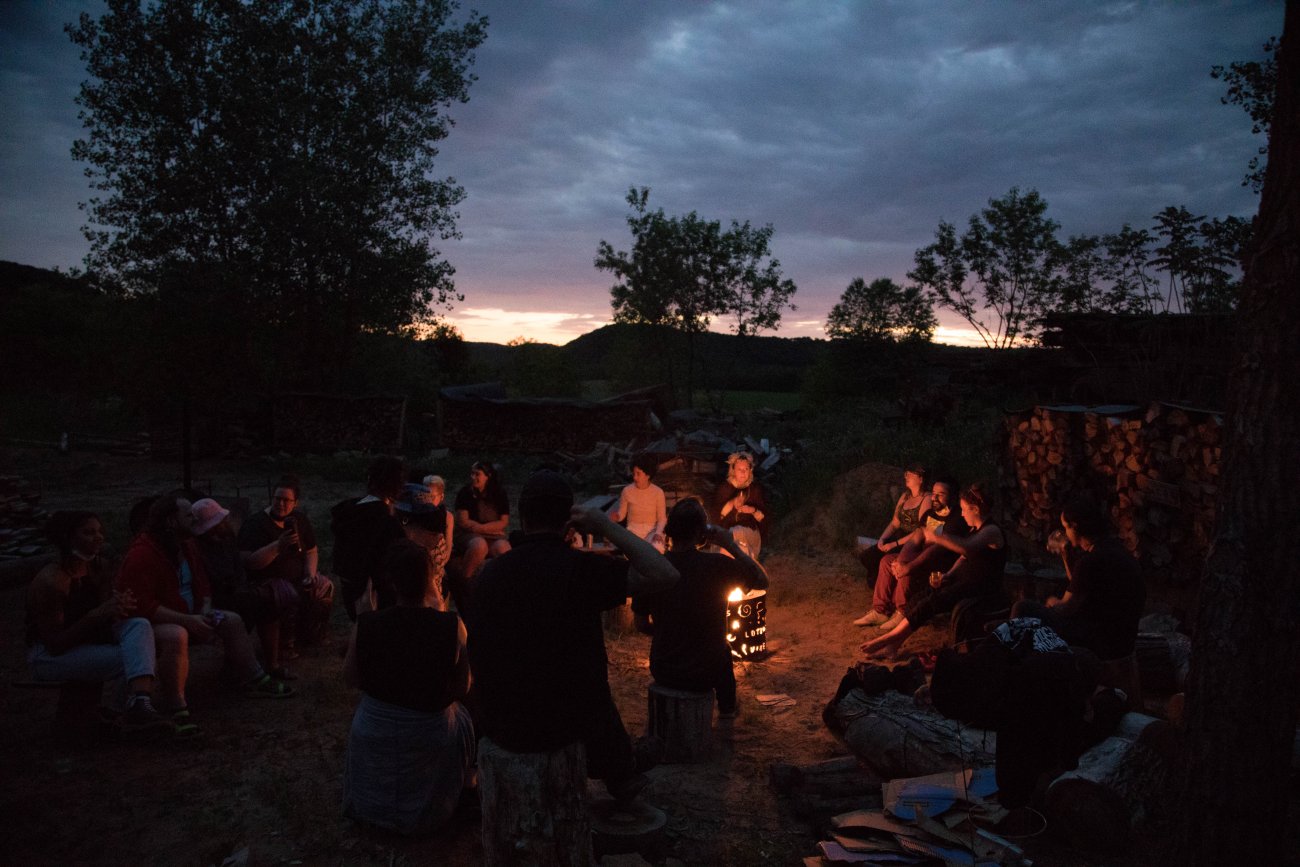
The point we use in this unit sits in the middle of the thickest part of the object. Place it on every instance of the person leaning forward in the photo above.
(536, 645)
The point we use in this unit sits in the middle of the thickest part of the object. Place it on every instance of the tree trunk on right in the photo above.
(1245, 678)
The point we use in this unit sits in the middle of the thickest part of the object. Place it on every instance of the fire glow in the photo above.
(746, 623)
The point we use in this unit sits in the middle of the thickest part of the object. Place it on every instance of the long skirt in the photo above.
(405, 769)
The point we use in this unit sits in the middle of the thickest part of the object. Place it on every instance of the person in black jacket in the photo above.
(364, 528)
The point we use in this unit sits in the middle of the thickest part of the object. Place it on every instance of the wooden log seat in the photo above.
(534, 810)
(684, 720)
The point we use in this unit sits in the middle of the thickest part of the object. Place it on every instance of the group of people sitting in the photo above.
(185, 579)
(1036, 674)
(931, 556)
(521, 660)
(434, 594)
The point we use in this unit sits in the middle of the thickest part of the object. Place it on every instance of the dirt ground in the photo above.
(266, 775)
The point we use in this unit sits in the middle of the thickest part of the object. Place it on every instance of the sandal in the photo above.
(184, 725)
(267, 687)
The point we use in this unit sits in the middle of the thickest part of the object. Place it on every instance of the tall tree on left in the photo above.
(274, 161)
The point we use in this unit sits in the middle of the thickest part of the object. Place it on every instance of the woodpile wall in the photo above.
(474, 417)
(1157, 469)
(329, 423)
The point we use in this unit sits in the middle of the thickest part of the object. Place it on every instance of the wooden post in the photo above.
(533, 806)
(683, 719)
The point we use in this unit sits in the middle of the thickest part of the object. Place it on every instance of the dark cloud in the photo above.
(852, 127)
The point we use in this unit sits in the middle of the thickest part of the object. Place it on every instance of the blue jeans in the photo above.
(132, 656)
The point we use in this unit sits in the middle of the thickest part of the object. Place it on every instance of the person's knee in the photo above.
(476, 547)
(233, 622)
(171, 640)
(499, 547)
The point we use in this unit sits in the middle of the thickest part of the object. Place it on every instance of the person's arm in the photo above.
(260, 558)
(755, 575)
(494, 529)
(620, 509)
(451, 528)
(461, 678)
(310, 564)
(885, 543)
(351, 672)
(48, 615)
(661, 512)
(987, 536)
(648, 570)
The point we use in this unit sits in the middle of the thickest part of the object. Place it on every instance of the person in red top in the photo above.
(164, 572)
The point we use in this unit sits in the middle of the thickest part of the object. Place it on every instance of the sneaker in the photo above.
(871, 618)
(140, 716)
(892, 621)
(268, 687)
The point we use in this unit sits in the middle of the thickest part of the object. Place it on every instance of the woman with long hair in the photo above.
(982, 557)
(482, 516)
(411, 747)
(912, 503)
(78, 628)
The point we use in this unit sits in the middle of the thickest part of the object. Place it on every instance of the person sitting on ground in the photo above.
(215, 540)
(982, 557)
(482, 516)
(690, 650)
(425, 523)
(1104, 599)
(642, 503)
(280, 555)
(411, 747)
(364, 527)
(915, 558)
(79, 629)
(422, 508)
(906, 518)
(740, 504)
(536, 643)
(164, 571)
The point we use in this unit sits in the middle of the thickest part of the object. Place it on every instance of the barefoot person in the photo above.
(911, 505)
(78, 628)
(982, 556)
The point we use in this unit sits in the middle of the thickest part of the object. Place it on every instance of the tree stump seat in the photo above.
(534, 810)
(683, 720)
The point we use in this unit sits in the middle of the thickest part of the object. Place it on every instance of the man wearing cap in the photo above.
(536, 644)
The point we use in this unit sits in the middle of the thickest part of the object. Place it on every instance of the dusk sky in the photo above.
(852, 127)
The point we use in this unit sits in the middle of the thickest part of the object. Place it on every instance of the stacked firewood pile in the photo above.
(1157, 469)
(21, 520)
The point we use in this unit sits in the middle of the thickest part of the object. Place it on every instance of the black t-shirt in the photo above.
(259, 530)
(363, 533)
(690, 644)
(953, 523)
(754, 496)
(407, 656)
(536, 644)
(481, 507)
(1107, 595)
